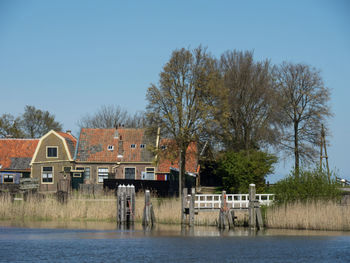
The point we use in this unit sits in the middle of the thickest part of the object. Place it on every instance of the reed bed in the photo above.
(312, 215)
(95, 208)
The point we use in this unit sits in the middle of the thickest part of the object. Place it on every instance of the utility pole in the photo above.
(324, 147)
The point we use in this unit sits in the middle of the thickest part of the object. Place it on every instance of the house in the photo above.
(98, 154)
(168, 162)
(15, 158)
(53, 159)
(119, 153)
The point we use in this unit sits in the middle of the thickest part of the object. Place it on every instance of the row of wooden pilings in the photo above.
(126, 209)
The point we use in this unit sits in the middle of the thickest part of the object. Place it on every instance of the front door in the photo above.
(77, 179)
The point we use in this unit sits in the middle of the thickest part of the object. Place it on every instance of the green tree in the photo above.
(179, 103)
(304, 107)
(36, 123)
(239, 169)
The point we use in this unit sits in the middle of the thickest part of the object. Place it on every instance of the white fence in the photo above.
(204, 201)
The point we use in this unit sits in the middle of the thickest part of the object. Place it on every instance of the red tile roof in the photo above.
(16, 154)
(93, 145)
(169, 157)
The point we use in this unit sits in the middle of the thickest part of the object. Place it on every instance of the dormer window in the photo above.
(51, 151)
(110, 147)
(163, 147)
(142, 146)
(133, 146)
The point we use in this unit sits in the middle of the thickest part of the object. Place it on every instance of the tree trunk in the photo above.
(182, 171)
(296, 149)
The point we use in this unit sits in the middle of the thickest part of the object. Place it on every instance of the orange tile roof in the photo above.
(17, 153)
(169, 157)
(93, 145)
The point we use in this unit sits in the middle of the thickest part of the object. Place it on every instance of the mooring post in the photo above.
(146, 212)
(148, 218)
(193, 196)
(132, 200)
(252, 212)
(122, 204)
(222, 216)
(183, 206)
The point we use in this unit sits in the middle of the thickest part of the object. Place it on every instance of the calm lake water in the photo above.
(103, 242)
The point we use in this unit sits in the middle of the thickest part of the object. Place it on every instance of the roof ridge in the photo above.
(23, 139)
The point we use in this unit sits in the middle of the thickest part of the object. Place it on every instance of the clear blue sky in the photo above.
(71, 57)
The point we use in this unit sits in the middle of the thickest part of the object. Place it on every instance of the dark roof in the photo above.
(71, 142)
(16, 154)
(93, 145)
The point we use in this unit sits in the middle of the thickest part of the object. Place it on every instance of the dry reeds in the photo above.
(90, 208)
(312, 215)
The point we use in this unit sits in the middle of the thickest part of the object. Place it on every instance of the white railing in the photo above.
(213, 201)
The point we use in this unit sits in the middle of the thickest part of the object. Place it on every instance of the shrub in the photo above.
(239, 169)
(309, 185)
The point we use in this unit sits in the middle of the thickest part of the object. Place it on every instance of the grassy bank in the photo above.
(312, 215)
(100, 208)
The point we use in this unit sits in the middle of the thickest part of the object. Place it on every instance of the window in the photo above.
(133, 146)
(77, 175)
(110, 148)
(87, 173)
(163, 147)
(8, 178)
(67, 169)
(47, 175)
(102, 174)
(51, 152)
(129, 173)
(142, 146)
(149, 173)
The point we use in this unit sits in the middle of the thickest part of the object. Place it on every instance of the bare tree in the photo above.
(10, 126)
(246, 103)
(106, 117)
(305, 109)
(35, 122)
(138, 120)
(178, 104)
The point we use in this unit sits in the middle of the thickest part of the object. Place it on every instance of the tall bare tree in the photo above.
(178, 104)
(109, 116)
(35, 122)
(10, 126)
(246, 102)
(305, 109)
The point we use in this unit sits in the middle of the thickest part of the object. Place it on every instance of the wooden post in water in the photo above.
(148, 218)
(193, 196)
(183, 206)
(226, 216)
(251, 207)
(125, 204)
